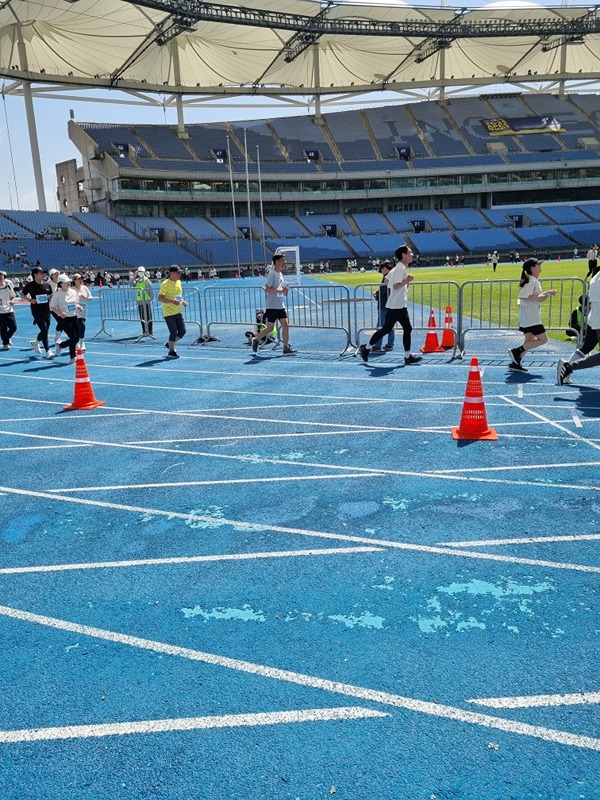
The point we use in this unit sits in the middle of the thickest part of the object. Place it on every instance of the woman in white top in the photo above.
(8, 324)
(531, 297)
(564, 369)
(65, 303)
(83, 297)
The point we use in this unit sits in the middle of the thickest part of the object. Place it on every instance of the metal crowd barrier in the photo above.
(118, 305)
(318, 307)
(489, 305)
(422, 298)
(492, 305)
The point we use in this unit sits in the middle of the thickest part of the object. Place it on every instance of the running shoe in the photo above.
(36, 346)
(411, 359)
(255, 345)
(515, 355)
(364, 352)
(172, 354)
(563, 373)
(516, 367)
(49, 354)
(289, 351)
(57, 349)
(388, 347)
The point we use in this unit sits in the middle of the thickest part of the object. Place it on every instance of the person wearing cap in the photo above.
(65, 304)
(53, 283)
(530, 299)
(381, 296)
(592, 259)
(171, 298)
(37, 293)
(584, 358)
(83, 298)
(8, 323)
(396, 310)
(144, 295)
(276, 290)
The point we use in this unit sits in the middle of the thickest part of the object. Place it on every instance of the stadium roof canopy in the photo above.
(189, 49)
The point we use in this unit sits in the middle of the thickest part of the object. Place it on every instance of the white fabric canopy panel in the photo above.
(136, 47)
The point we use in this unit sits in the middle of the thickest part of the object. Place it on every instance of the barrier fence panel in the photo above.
(492, 305)
(119, 305)
(422, 299)
(315, 307)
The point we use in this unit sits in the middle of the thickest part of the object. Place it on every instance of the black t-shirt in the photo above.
(38, 290)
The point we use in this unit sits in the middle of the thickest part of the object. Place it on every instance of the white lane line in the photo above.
(438, 710)
(257, 526)
(22, 448)
(145, 562)
(561, 428)
(509, 467)
(524, 540)
(539, 700)
(224, 482)
(311, 464)
(577, 421)
(520, 391)
(188, 724)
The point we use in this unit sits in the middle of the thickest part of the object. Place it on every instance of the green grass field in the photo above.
(550, 269)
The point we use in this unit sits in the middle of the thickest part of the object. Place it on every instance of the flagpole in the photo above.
(235, 230)
(260, 199)
(248, 202)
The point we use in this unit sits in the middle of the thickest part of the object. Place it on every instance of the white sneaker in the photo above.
(36, 346)
(72, 360)
(49, 355)
(82, 347)
(57, 349)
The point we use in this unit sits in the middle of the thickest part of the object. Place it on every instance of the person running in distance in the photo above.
(38, 293)
(65, 304)
(276, 290)
(398, 280)
(83, 298)
(530, 299)
(171, 298)
(8, 323)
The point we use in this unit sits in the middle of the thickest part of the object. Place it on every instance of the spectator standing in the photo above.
(592, 259)
(64, 303)
(171, 297)
(276, 290)
(531, 297)
(398, 281)
(8, 323)
(381, 296)
(495, 259)
(83, 298)
(144, 295)
(37, 293)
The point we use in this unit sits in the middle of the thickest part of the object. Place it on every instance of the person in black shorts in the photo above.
(276, 290)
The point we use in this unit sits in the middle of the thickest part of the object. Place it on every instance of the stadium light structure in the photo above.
(320, 24)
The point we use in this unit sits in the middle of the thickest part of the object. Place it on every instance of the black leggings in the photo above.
(588, 362)
(69, 326)
(41, 317)
(176, 327)
(8, 326)
(393, 316)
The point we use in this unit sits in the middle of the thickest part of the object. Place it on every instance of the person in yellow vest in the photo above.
(144, 295)
(171, 297)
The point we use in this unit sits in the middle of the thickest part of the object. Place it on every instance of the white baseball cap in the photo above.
(54, 272)
(64, 278)
(141, 269)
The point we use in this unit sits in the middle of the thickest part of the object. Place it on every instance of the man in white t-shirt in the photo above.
(397, 312)
(276, 290)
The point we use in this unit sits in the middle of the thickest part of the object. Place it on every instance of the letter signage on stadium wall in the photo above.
(509, 126)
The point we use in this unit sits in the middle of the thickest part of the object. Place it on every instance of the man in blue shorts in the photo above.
(276, 290)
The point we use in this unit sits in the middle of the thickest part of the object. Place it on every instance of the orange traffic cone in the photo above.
(448, 337)
(84, 394)
(432, 344)
(473, 422)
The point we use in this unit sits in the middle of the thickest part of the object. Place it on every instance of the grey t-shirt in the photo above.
(275, 281)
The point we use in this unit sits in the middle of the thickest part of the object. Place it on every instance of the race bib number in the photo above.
(71, 308)
(83, 307)
(42, 298)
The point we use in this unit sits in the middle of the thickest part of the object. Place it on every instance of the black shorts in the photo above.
(535, 330)
(273, 314)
